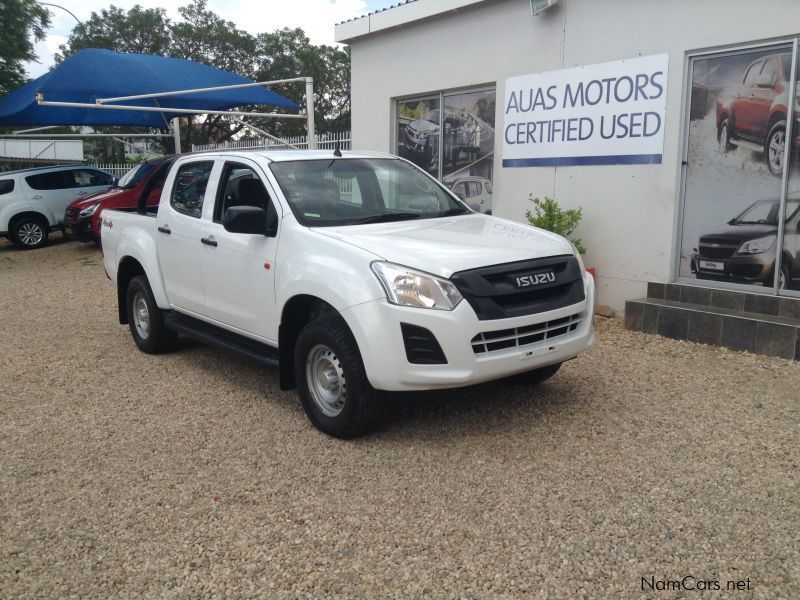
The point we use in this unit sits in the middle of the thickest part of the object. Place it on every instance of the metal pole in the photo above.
(264, 133)
(176, 131)
(198, 90)
(183, 111)
(312, 138)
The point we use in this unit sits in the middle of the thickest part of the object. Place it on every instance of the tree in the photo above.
(23, 23)
(205, 37)
(138, 30)
(288, 53)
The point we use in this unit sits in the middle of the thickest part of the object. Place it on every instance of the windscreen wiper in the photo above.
(387, 217)
(453, 211)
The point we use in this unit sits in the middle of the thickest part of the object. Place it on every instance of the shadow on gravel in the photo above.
(479, 410)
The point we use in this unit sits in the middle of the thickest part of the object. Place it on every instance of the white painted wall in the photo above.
(629, 210)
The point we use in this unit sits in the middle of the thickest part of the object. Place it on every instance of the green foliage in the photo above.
(205, 37)
(547, 214)
(22, 24)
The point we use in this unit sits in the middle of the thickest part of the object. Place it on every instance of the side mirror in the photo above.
(246, 219)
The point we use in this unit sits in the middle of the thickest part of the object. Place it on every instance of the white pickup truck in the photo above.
(351, 272)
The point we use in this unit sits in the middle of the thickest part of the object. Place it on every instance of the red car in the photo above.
(82, 218)
(753, 113)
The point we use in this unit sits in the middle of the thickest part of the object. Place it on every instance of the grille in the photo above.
(519, 337)
(492, 293)
(721, 248)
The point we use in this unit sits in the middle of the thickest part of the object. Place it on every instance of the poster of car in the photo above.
(733, 187)
(455, 143)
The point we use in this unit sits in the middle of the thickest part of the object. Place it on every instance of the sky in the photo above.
(316, 17)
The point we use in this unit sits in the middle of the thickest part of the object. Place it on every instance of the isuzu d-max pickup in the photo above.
(353, 273)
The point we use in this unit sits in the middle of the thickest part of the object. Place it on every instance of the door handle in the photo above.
(209, 241)
(37, 197)
(81, 193)
(165, 229)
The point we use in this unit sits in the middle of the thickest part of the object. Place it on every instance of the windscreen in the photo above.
(350, 191)
(132, 178)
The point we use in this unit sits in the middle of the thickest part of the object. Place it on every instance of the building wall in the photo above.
(629, 210)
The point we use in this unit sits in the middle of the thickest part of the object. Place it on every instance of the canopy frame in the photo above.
(105, 103)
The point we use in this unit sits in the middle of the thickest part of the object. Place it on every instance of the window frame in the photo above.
(194, 163)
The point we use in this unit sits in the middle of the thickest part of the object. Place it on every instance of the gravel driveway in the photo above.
(192, 474)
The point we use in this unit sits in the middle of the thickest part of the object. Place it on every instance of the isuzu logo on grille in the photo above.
(533, 279)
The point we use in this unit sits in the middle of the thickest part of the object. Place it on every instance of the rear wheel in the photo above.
(146, 320)
(331, 380)
(775, 147)
(536, 376)
(29, 233)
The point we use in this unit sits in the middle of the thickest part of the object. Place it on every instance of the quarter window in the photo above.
(189, 189)
(6, 186)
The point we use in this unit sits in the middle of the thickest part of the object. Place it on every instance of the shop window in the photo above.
(739, 225)
(451, 136)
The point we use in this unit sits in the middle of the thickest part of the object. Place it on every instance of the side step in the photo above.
(210, 334)
(749, 145)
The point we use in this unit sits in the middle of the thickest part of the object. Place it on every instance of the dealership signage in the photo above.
(605, 114)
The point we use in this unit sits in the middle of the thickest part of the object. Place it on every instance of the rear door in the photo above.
(745, 105)
(180, 232)
(49, 193)
(238, 270)
(85, 182)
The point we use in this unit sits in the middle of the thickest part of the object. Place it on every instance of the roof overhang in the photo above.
(396, 16)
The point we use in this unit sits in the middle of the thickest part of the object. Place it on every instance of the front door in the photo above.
(239, 271)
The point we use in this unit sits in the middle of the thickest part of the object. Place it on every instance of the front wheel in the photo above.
(775, 148)
(724, 136)
(146, 320)
(29, 233)
(331, 380)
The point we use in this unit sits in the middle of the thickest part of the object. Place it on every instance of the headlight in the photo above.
(89, 210)
(408, 287)
(579, 257)
(758, 245)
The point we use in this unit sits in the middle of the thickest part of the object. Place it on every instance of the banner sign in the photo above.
(606, 114)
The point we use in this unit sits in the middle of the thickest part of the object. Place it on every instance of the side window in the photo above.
(239, 186)
(6, 186)
(752, 73)
(771, 68)
(189, 188)
(89, 178)
(474, 189)
(460, 190)
(488, 185)
(56, 180)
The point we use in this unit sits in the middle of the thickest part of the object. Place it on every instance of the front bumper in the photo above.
(752, 268)
(80, 228)
(376, 327)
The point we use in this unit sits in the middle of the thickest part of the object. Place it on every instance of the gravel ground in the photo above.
(192, 474)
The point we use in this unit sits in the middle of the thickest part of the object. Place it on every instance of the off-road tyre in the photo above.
(775, 148)
(326, 350)
(152, 337)
(724, 136)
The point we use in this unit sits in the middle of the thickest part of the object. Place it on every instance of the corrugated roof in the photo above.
(375, 12)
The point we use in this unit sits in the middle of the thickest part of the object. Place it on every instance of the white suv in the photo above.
(33, 201)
